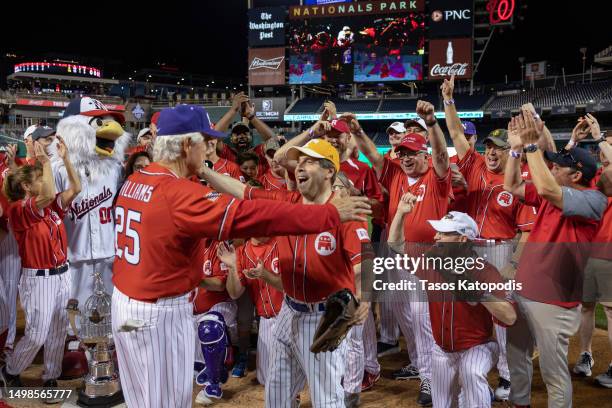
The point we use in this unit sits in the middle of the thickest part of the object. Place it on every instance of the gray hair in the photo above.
(168, 148)
(328, 164)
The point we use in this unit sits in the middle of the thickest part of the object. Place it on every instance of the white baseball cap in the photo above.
(398, 127)
(29, 131)
(143, 132)
(419, 121)
(458, 222)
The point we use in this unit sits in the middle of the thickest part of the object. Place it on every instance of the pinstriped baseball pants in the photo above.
(44, 300)
(293, 364)
(10, 270)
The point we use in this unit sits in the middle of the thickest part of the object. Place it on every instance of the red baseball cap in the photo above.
(414, 142)
(340, 125)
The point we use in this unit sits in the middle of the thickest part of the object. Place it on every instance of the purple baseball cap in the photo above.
(184, 119)
(468, 128)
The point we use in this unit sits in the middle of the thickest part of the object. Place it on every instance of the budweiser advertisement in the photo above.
(266, 66)
(450, 56)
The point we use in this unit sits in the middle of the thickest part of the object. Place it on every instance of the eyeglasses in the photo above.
(407, 153)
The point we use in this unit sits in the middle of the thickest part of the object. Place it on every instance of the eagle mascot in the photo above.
(96, 142)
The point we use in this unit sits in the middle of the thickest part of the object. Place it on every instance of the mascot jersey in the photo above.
(96, 142)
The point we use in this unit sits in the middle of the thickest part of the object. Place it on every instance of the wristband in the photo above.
(570, 144)
(310, 134)
(530, 148)
(449, 102)
(514, 154)
(250, 117)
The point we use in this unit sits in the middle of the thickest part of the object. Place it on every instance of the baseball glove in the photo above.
(340, 309)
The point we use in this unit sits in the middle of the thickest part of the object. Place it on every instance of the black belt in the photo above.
(305, 308)
(52, 271)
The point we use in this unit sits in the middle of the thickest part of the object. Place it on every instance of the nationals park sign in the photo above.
(357, 8)
(382, 116)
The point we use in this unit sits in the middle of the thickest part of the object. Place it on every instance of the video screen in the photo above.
(388, 48)
(380, 64)
(305, 68)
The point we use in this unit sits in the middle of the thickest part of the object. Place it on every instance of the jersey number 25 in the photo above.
(124, 225)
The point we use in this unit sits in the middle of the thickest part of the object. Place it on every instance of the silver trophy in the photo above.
(102, 387)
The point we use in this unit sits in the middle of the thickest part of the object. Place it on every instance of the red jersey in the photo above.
(459, 202)
(554, 254)
(161, 219)
(313, 266)
(271, 182)
(4, 203)
(267, 299)
(527, 213)
(602, 247)
(494, 209)
(39, 232)
(432, 199)
(363, 178)
(232, 155)
(228, 168)
(457, 325)
(212, 267)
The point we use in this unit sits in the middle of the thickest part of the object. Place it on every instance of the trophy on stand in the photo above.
(102, 387)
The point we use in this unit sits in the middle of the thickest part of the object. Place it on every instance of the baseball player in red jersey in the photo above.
(35, 215)
(213, 296)
(254, 267)
(276, 176)
(464, 351)
(10, 263)
(498, 213)
(223, 166)
(312, 267)
(161, 218)
(241, 137)
(431, 184)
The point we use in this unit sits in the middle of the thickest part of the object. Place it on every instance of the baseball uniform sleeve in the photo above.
(532, 197)
(279, 195)
(589, 204)
(24, 213)
(525, 217)
(388, 173)
(354, 235)
(471, 166)
(56, 206)
(240, 265)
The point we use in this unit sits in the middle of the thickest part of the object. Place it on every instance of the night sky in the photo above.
(209, 36)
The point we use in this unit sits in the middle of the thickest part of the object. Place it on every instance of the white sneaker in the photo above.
(502, 392)
(584, 365)
(605, 379)
(202, 399)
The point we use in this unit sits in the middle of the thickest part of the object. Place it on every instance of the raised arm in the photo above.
(546, 141)
(74, 180)
(453, 123)
(513, 182)
(603, 144)
(365, 144)
(228, 257)
(223, 124)
(47, 191)
(541, 176)
(264, 130)
(222, 183)
(436, 138)
(396, 230)
(317, 130)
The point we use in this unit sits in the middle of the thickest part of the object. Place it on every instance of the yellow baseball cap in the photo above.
(317, 149)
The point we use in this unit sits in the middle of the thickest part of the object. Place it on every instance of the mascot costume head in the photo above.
(94, 137)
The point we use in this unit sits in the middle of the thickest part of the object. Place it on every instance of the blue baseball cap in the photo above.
(184, 119)
(577, 158)
(468, 128)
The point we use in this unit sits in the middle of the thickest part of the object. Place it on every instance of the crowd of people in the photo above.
(196, 236)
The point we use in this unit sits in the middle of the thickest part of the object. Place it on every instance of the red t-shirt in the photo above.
(267, 299)
(232, 155)
(432, 202)
(161, 219)
(556, 252)
(271, 182)
(602, 243)
(459, 202)
(229, 168)
(40, 233)
(494, 209)
(212, 267)
(457, 325)
(313, 266)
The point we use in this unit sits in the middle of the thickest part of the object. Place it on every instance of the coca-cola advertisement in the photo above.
(266, 66)
(450, 56)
